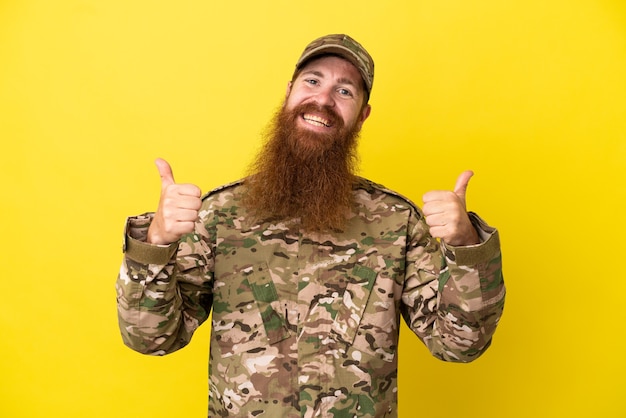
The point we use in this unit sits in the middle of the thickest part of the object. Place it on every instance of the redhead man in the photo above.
(308, 268)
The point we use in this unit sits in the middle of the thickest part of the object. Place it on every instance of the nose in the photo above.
(324, 97)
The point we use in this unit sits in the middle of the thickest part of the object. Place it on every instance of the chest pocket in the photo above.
(352, 304)
(268, 303)
(247, 312)
(366, 318)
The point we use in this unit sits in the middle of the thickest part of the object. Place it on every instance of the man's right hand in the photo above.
(178, 208)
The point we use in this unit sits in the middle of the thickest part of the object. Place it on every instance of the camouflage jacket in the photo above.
(306, 324)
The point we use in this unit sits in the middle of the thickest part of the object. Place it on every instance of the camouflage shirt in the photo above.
(306, 324)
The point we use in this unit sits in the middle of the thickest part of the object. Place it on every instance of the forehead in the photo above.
(332, 66)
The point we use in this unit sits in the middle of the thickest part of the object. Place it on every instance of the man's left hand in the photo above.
(446, 214)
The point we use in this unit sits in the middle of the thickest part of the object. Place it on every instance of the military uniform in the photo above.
(306, 324)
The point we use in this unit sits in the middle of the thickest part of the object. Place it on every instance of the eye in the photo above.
(311, 81)
(344, 92)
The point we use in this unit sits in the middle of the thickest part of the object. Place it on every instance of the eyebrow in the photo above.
(341, 80)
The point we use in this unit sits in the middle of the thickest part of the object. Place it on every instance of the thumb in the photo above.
(165, 171)
(460, 188)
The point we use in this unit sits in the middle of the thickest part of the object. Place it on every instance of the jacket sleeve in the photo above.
(453, 297)
(163, 292)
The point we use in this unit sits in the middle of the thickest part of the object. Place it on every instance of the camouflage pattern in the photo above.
(346, 47)
(307, 324)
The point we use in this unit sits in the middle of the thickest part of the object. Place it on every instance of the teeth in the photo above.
(316, 120)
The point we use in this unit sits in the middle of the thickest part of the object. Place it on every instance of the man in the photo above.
(308, 268)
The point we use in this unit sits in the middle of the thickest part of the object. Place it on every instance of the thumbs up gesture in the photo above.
(446, 214)
(178, 208)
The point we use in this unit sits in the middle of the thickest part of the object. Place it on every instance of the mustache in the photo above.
(325, 111)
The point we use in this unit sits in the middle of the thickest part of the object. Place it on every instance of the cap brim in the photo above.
(345, 53)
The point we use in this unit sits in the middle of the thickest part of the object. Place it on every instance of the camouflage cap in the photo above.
(345, 47)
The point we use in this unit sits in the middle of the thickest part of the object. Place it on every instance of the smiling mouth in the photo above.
(316, 120)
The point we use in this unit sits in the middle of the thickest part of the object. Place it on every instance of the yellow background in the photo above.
(531, 94)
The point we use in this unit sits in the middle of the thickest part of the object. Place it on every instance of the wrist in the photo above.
(153, 236)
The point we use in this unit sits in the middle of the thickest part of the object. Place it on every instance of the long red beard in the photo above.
(302, 175)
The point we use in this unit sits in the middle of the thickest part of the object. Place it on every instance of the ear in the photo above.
(288, 89)
(364, 114)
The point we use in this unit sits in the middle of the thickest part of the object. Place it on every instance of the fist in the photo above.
(446, 214)
(178, 209)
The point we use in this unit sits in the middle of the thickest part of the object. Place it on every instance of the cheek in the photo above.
(349, 115)
(293, 99)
